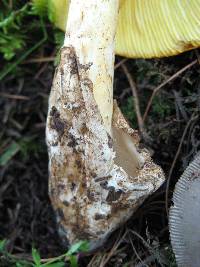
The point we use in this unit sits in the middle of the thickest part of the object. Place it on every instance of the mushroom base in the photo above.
(96, 181)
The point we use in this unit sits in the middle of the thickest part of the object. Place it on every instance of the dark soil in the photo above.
(26, 216)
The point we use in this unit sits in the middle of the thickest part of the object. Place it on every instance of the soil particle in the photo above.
(73, 141)
(66, 203)
(104, 184)
(102, 179)
(90, 195)
(78, 164)
(73, 186)
(110, 141)
(56, 122)
(113, 195)
(99, 216)
(60, 213)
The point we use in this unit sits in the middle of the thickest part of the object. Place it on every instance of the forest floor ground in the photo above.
(171, 123)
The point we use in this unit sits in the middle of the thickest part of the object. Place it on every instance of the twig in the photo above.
(198, 56)
(117, 65)
(95, 261)
(135, 101)
(37, 75)
(41, 70)
(17, 97)
(155, 91)
(39, 60)
(174, 161)
(110, 254)
(40, 125)
(180, 105)
(146, 261)
(144, 242)
(198, 93)
(135, 251)
(10, 4)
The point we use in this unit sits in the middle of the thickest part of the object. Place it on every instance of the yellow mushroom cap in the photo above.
(148, 28)
(57, 11)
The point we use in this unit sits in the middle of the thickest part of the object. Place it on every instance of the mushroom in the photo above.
(185, 217)
(148, 29)
(98, 174)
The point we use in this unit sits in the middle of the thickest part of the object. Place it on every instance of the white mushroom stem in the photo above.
(98, 173)
(90, 30)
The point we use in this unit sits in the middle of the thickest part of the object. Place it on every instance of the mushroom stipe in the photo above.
(98, 175)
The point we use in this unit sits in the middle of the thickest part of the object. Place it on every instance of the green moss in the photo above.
(129, 111)
(22, 31)
(161, 107)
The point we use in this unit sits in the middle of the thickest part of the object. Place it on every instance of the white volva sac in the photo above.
(98, 173)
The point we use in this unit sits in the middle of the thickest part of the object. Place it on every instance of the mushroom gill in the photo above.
(185, 216)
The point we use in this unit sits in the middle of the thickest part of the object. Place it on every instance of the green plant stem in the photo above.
(59, 258)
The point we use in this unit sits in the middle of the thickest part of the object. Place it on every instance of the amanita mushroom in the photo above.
(148, 29)
(184, 220)
(98, 173)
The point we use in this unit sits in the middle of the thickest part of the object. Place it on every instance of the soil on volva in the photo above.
(26, 215)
